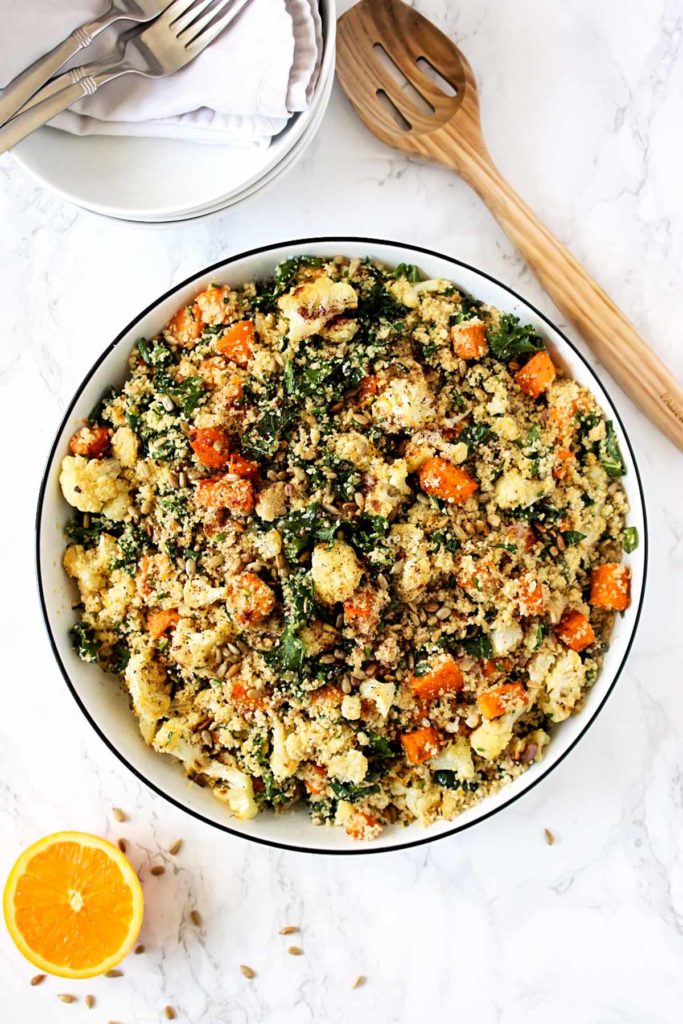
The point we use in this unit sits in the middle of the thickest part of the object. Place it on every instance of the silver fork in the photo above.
(25, 85)
(176, 37)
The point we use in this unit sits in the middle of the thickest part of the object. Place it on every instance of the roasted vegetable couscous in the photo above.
(351, 539)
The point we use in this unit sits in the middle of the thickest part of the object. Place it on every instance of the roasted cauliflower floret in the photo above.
(149, 689)
(336, 571)
(406, 403)
(95, 485)
(309, 307)
(563, 685)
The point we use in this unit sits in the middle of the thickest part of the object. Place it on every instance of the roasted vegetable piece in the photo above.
(90, 441)
(421, 744)
(210, 445)
(536, 375)
(445, 678)
(236, 495)
(442, 479)
(236, 343)
(469, 339)
(159, 621)
(500, 699)
(575, 630)
(611, 586)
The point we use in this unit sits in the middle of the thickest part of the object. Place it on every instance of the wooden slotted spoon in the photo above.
(447, 128)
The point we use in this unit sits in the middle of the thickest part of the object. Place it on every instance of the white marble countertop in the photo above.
(582, 106)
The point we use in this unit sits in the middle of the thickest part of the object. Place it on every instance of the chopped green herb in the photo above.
(630, 539)
(83, 642)
(475, 434)
(408, 270)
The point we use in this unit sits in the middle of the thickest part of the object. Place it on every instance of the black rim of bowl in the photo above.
(292, 245)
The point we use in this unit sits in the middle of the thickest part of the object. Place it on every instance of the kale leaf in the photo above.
(511, 338)
(302, 528)
(154, 353)
(479, 646)
(88, 536)
(610, 453)
(84, 642)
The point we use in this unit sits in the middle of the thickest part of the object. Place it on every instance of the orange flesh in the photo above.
(72, 906)
(610, 586)
(236, 343)
(420, 745)
(575, 631)
(469, 340)
(447, 678)
(536, 375)
(444, 480)
(495, 702)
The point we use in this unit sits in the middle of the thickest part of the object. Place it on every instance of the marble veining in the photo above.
(582, 105)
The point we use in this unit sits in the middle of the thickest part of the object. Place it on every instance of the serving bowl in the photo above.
(104, 702)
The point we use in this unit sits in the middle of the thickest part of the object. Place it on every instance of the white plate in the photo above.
(160, 179)
(277, 172)
(105, 704)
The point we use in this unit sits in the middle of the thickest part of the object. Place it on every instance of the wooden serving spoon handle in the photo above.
(612, 337)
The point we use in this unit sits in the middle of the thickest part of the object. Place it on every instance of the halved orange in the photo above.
(73, 905)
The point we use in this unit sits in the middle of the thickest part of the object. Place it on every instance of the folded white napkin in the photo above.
(241, 89)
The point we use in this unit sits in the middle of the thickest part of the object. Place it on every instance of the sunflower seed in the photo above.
(222, 669)
(207, 738)
(119, 814)
(443, 613)
(182, 479)
(65, 997)
(360, 981)
(247, 971)
(37, 979)
(139, 949)
(290, 929)
(346, 686)
(167, 403)
(121, 843)
(113, 974)
(157, 870)
(295, 950)
(191, 567)
(90, 1002)
(214, 561)
(196, 918)
(549, 837)
(169, 1013)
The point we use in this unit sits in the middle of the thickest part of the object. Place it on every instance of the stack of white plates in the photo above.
(157, 180)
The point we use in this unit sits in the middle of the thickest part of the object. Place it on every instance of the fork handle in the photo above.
(612, 337)
(35, 117)
(25, 85)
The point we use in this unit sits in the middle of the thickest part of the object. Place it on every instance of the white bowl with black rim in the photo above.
(104, 702)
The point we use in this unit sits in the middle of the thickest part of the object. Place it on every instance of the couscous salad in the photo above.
(351, 540)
